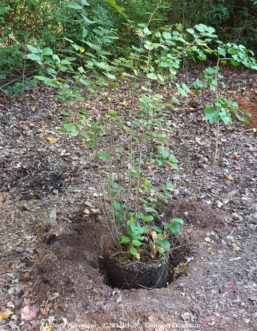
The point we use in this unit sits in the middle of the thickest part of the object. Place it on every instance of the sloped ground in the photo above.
(51, 279)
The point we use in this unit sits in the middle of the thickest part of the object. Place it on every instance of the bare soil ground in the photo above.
(52, 233)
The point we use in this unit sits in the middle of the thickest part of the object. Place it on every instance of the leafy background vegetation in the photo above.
(50, 23)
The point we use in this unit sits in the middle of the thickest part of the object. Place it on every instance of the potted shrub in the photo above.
(129, 193)
(140, 238)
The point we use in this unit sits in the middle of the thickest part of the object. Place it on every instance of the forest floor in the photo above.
(50, 276)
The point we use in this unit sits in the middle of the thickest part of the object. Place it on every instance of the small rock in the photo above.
(14, 317)
(18, 249)
(219, 204)
(119, 300)
(29, 250)
(10, 304)
(187, 316)
(254, 207)
(52, 217)
(235, 216)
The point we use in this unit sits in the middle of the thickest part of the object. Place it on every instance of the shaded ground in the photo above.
(56, 272)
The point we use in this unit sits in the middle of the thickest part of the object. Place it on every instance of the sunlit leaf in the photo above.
(74, 5)
(5, 314)
(52, 140)
(33, 49)
(135, 253)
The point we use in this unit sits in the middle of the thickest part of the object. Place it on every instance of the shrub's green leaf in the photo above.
(134, 252)
(47, 51)
(63, 112)
(151, 210)
(34, 57)
(173, 159)
(222, 51)
(34, 49)
(74, 5)
(175, 100)
(148, 218)
(157, 229)
(225, 117)
(165, 153)
(104, 155)
(124, 240)
(164, 242)
(136, 242)
(177, 220)
(91, 143)
(234, 63)
(134, 174)
(116, 205)
(186, 88)
(166, 35)
(48, 81)
(173, 166)
(152, 76)
(110, 76)
(69, 127)
(173, 228)
(84, 134)
(191, 31)
(211, 115)
(74, 133)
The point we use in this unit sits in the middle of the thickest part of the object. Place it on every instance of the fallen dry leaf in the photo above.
(235, 156)
(237, 168)
(5, 314)
(52, 140)
(28, 313)
(24, 276)
(47, 327)
(45, 311)
(227, 177)
(124, 103)
(27, 126)
(8, 270)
